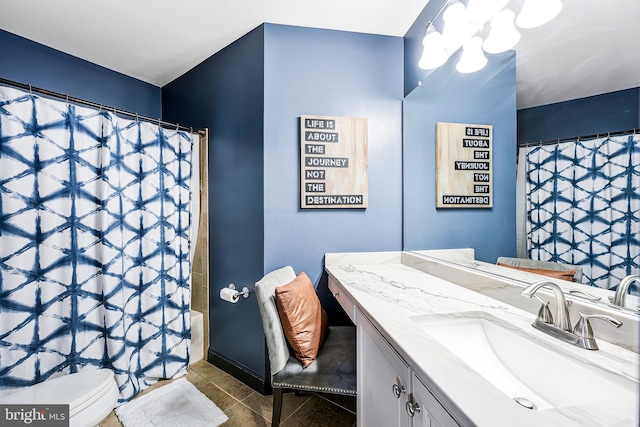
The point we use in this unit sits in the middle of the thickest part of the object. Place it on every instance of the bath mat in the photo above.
(174, 405)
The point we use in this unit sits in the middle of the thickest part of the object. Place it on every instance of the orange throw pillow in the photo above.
(556, 274)
(303, 319)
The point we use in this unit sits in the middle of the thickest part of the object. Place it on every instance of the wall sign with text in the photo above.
(464, 165)
(333, 162)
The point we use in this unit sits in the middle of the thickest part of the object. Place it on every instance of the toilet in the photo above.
(91, 395)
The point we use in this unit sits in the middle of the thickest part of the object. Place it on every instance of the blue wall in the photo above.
(332, 73)
(28, 62)
(250, 96)
(413, 45)
(484, 97)
(609, 112)
(225, 94)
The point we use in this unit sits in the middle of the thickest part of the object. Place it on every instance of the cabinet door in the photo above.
(426, 409)
(383, 380)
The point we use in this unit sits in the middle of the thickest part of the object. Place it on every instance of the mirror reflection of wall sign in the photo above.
(464, 165)
(333, 162)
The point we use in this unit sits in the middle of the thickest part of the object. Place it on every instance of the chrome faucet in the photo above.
(561, 319)
(623, 288)
(582, 334)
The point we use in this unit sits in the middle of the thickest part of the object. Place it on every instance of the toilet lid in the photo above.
(77, 390)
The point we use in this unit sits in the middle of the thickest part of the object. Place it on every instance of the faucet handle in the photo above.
(544, 314)
(584, 332)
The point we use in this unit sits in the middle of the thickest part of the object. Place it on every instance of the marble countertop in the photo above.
(389, 288)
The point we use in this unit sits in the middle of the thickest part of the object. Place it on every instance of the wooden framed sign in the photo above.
(333, 162)
(464, 165)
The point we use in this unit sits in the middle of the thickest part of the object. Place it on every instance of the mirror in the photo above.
(587, 50)
(574, 292)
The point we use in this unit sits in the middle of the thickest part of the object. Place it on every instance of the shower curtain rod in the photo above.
(560, 140)
(33, 89)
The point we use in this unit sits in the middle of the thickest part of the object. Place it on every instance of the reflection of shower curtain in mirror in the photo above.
(94, 244)
(583, 205)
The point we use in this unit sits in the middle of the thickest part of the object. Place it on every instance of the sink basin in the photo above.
(527, 370)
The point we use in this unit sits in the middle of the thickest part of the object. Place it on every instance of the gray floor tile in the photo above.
(346, 402)
(241, 416)
(319, 412)
(264, 404)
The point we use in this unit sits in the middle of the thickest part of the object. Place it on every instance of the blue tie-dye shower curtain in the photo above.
(94, 244)
(583, 204)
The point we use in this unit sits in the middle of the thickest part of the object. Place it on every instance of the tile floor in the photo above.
(248, 408)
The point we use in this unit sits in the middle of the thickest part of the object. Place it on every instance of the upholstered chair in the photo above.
(333, 371)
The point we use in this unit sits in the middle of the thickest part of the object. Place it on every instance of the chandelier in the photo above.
(481, 26)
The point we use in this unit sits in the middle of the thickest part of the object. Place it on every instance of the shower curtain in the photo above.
(583, 204)
(94, 244)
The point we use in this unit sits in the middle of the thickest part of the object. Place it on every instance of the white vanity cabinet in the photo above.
(409, 374)
(389, 393)
(384, 380)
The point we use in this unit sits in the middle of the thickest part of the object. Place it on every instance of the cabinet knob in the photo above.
(412, 408)
(398, 390)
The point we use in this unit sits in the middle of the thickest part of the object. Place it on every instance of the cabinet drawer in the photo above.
(344, 301)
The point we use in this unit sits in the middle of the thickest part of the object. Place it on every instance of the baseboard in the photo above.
(241, 373)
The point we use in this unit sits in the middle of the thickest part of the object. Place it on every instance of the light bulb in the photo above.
(456, 27)
(480, 11)
(538, 12)
(433, 54)
(472, 58)
(503, 35)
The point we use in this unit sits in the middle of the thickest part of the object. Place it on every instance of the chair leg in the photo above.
(277, 407)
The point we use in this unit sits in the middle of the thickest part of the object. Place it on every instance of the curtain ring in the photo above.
(136, 117)
(30, 91)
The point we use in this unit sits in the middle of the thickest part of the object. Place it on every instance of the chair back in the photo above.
(265, 290)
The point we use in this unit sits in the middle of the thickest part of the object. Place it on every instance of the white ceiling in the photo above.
(590, 48)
